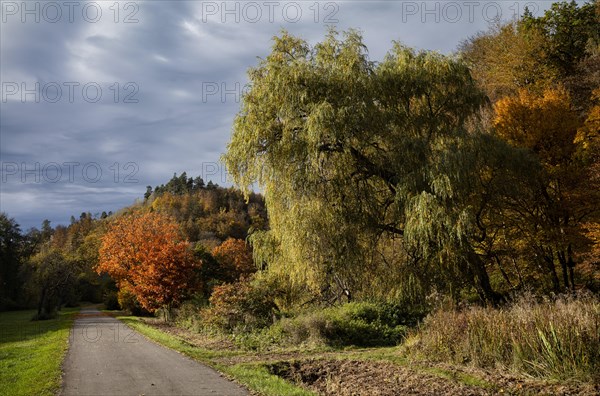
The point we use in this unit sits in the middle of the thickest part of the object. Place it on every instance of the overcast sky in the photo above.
(100, 99)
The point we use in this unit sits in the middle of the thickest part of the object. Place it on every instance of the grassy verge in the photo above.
(31, 352)
(527, 347)
(254, 375)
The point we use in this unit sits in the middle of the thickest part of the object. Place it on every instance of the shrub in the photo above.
(234, 258)
(128, 302)
(241, 306)
(355, 323)
(187, 314)
(551, 339)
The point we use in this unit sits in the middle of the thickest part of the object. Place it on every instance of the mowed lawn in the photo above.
(31, 352)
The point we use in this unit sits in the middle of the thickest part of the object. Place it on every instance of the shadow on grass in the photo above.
(18, 326)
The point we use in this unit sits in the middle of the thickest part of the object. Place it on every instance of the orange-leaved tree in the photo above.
(147, 255)
(235, 259)
(566, 195)
(588, 137)
(545, 124)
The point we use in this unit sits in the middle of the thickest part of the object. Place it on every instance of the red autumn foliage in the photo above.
(147, 255)
(235, 259)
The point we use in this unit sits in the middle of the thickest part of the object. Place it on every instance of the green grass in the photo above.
(256, 377)
(31, 352)
(253, 375)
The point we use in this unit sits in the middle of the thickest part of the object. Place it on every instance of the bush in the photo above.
(551, 339)
(241, 306)
(187, 314)
(128, 302)
(360, 324)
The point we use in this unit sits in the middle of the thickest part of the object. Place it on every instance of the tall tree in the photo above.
(548, 126)
(11, 256)
(568, 29)
(52, 280)
(508, 57)
(535, 53)
(348, 151)
(545, 124)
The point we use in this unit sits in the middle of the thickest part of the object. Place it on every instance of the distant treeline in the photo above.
(54, 266)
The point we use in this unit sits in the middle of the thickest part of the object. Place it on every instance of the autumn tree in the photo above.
(571, 46)
(564, 195)
(540, 72)
(146, 255)
(351, 153)
(588, 135)
(588, 140)
(536, 52)
(545, 124)
(591, 258)
(507, 57)
(234, 258)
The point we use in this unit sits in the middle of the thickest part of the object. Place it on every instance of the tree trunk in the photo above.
(553, 275)
(490, 296)
(504, 274)
(571, 265)
(563, 265)
(41, 303)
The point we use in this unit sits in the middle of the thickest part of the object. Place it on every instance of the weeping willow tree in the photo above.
(366, 166)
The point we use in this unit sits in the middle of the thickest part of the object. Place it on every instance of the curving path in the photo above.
(108, 358)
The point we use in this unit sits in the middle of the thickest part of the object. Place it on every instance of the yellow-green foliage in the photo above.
(353, 154)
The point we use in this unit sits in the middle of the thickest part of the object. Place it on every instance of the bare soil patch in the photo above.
(352, 377)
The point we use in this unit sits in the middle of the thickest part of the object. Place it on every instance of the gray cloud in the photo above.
(175, 52)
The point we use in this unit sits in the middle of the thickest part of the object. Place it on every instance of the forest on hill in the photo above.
(55, 266)
(439, 199)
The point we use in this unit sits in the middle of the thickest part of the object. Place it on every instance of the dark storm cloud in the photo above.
(171, 65)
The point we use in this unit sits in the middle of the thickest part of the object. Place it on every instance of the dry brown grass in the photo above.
(558, 339)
